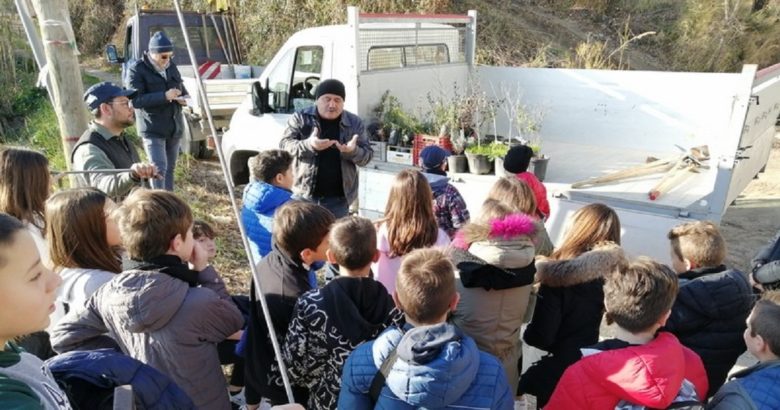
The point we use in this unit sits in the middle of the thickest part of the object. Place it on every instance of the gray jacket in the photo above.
(306, 158)
(164, 323)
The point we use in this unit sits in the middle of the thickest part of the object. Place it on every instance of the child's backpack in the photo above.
(686, 400)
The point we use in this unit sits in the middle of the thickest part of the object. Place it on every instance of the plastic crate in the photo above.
(399, 155)
(422, 141)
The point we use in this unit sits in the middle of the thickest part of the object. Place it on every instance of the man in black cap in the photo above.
(158, 106)
(103, 146)
(327, 144)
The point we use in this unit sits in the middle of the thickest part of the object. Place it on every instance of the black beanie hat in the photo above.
(518, 158)
(330, 86)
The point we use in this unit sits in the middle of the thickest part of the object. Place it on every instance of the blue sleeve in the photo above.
(350, 396)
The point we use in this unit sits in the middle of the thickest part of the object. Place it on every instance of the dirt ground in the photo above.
(754, 218)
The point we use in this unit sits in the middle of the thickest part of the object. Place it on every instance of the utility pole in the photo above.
(59, 44)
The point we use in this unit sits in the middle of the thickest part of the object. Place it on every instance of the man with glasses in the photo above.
(158, 106)
(103, 146)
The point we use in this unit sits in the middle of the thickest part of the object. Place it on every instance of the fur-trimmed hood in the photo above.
(507, 228)
(594, 264)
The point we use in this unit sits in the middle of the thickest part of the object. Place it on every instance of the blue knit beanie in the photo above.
(160, 43)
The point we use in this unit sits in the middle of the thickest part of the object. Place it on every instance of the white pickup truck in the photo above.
(596, 122)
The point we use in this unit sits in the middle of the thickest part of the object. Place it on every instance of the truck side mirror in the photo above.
(112, 55)
(260, 104)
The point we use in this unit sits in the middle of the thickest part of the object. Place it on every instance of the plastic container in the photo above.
(226, 71)
(243, 71)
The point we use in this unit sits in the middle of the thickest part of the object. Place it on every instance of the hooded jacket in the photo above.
(649, 375)
(163, 322)
(26, 383)
(709, 316)
(156, 116)
(306, 159)
(495, 272)
(448, 205)
(753, 388)
(327, 325)
(257, 213)
(437, 367)
(568, 312)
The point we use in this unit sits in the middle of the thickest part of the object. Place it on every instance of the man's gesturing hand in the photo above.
(319, 144)
(350, 146)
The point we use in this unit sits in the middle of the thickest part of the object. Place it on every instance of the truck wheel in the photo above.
(199, 150)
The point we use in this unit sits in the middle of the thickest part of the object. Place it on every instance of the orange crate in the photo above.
(422, 141)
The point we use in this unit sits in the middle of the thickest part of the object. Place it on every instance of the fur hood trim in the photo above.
(507, 228)
(595, 264)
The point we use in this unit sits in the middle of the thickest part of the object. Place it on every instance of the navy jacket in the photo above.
(156, 117)
(709, 318)
(753, 388)
(87, 373)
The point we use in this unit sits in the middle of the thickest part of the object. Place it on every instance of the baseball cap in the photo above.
(103, 92)
(433, 156)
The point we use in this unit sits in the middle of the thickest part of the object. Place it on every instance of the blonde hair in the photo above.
(409, 218)
(590, 225)
(515, 194)
(699, 242)
(425, 285)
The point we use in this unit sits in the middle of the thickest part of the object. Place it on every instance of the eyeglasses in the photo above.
(166, 56)
(121, 103)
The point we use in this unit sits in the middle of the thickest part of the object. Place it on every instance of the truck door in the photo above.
(291, 85)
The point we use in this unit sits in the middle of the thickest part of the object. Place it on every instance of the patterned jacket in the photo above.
(448, 205)
(328, 324)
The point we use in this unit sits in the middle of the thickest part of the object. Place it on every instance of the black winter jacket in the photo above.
(709, 318)
(282, 281)
(568, 312)
(156, 117)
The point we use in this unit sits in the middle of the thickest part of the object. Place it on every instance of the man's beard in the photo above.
(126, 123)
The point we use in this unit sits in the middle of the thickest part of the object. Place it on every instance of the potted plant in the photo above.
(457, 162)
(539, 161)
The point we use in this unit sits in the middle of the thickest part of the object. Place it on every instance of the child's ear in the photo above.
(397, 302)
(376, 256)
(664, 318)
(278, 179)
(176, 244)
(454, 301)
(306, 256)
(689, 264)
(329, 257)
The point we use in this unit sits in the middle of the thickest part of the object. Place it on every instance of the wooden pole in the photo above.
(59, 45)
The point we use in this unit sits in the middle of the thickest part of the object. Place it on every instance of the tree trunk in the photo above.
(59, 45)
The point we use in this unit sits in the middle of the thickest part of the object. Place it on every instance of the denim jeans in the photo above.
(338, 206)
(163, 153)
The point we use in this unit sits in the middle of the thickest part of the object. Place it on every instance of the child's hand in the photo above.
(200, 257)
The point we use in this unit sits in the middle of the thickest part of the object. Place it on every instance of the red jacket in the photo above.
(650, 375)
(540, 192)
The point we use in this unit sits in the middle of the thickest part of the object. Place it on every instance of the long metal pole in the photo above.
(241, 228)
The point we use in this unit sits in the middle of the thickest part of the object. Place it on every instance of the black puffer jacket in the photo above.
(156, 117)
(568, 312)
(709, 318)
